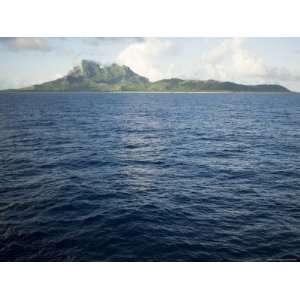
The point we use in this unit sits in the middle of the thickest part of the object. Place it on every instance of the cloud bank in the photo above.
(230, 60)
(26, 43)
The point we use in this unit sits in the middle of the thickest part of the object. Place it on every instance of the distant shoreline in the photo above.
(142, 92)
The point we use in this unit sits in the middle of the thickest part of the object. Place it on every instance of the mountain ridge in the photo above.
(92, 76)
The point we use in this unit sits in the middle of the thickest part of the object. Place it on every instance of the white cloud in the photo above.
(231, 61)
(27, 43)
(228, 61)
(145, 57)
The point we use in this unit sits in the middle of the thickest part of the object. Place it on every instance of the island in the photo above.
(92, 76)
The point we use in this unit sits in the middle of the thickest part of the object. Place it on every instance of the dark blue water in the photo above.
(149, 177)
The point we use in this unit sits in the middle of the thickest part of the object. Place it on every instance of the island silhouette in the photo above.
(92, 76)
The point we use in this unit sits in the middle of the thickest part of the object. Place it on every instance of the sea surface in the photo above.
(149, 177)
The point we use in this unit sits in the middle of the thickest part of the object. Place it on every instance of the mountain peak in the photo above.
(89, 68)
(110, 74)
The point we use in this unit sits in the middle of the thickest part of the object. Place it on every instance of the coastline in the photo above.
(146, 92)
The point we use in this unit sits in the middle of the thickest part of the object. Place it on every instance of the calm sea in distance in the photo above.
(149, 177)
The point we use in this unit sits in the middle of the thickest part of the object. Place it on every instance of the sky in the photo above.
(32, 60)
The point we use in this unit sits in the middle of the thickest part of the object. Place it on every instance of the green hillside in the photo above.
(92, 76)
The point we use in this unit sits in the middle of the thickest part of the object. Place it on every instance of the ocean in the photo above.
(149, 177)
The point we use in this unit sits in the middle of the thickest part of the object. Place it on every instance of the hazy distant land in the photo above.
(92, 76)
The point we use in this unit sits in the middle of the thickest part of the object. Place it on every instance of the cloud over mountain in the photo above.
(145, 57)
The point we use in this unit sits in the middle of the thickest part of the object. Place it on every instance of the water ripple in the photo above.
(149, 177)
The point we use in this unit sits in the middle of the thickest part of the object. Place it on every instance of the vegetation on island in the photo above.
(92, 76)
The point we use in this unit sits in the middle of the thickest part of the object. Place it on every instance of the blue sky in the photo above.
(26, 61)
